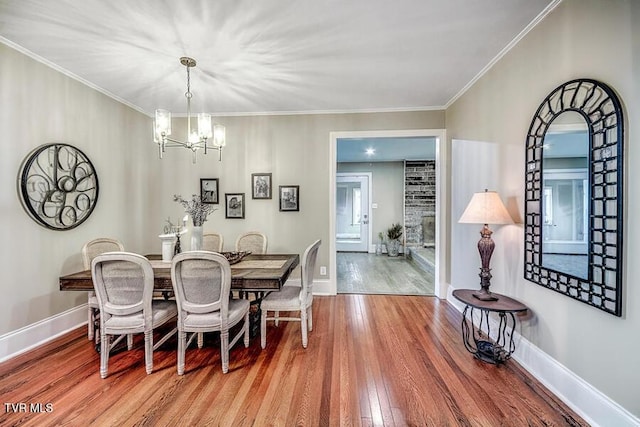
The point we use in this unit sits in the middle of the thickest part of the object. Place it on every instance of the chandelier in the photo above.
(205, 137)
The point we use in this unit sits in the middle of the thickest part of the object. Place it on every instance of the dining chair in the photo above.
(293, 298)
(123, 282)
(252, 241)
(212, 242)
(89, 251)
(202, 286)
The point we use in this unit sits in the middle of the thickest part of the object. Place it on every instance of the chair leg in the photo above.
(276, 316)
(224, 351)
(303, 327)
(263, 329)
(104, 354)
(310, 317)
(182, 343)
(148, 350)
(246, 330)
(90, 324)
(129, 341)
(200, 339)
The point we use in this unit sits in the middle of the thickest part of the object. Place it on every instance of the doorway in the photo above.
(352, 212)
(380, 205)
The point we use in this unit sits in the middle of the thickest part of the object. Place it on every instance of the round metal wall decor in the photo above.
(58, 186)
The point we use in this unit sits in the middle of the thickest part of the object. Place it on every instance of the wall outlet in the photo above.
(323, 270)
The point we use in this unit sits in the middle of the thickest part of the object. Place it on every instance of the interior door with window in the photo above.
(352, 213)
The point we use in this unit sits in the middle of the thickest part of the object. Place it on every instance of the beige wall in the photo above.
(580, 38)
(39, 105)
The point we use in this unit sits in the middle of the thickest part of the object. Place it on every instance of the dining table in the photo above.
(251, 275)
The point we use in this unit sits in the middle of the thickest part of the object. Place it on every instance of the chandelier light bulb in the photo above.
(219, 136)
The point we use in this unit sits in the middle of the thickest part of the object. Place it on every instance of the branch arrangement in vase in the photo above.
(195, 208)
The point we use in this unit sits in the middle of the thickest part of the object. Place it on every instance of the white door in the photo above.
(352, 212)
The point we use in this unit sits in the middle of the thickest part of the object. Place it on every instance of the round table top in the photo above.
(504, 303)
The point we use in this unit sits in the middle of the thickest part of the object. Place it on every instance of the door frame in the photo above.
(369, 175)
(441, 194)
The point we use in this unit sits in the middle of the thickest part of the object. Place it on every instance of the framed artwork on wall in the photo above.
(234, 205)
(260, 185)
(209, 190)
(289, 198)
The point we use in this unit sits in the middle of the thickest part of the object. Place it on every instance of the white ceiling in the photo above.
(271, 56)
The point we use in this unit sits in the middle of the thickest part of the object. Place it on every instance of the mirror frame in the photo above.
(598, 104)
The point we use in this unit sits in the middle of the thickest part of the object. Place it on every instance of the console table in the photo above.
(477, 340)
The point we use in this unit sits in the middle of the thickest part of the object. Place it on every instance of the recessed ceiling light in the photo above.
(370, 151)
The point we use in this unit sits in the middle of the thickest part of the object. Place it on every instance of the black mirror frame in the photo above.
(601, 108)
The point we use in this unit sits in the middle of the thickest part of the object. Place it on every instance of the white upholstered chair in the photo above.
(202, 286)
(123, 282)
(252, 241)
(293, 298)
(213, 242)
(90, 250)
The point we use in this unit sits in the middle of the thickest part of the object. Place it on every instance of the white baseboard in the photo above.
(587, 401)
(322, 287)
(24, 339)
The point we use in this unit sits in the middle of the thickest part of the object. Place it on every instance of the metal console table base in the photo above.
(478, 340)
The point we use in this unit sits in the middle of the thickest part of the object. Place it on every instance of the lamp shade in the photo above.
(486, 208)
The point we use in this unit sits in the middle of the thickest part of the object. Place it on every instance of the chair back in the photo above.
(212, 242)
(99, 246)
(252, 241)
(201, 283)
(123, 283)
(308, 268)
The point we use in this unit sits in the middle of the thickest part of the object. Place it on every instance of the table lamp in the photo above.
(485, 208)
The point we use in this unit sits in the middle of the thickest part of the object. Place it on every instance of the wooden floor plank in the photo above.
(371, 360)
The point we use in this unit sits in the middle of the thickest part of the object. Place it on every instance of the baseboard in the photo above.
(587, 401)
(31, 336)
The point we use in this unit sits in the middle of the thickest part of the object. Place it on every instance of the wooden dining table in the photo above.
(254, 273)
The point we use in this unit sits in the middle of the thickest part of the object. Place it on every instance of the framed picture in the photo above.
(260, 185)
(209, 190)
(289, 197)
(234, 205)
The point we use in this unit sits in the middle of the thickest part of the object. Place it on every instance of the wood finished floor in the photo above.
(372, 360)
(363, 273)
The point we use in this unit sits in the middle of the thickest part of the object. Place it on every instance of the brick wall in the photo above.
(419, 201)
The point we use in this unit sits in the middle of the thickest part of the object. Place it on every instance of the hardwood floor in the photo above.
(363, 273)
(371, 360)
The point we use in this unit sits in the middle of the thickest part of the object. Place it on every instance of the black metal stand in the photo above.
(478, 341)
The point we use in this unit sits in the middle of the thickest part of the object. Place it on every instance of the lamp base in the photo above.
(483, 295)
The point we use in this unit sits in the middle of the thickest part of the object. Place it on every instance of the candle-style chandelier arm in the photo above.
(204, 145)
(207, 137)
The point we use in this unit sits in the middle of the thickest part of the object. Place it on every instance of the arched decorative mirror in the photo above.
(573, 194)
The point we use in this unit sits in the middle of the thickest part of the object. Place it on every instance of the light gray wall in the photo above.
(580, 38)
(388, 192)
(40, 105)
